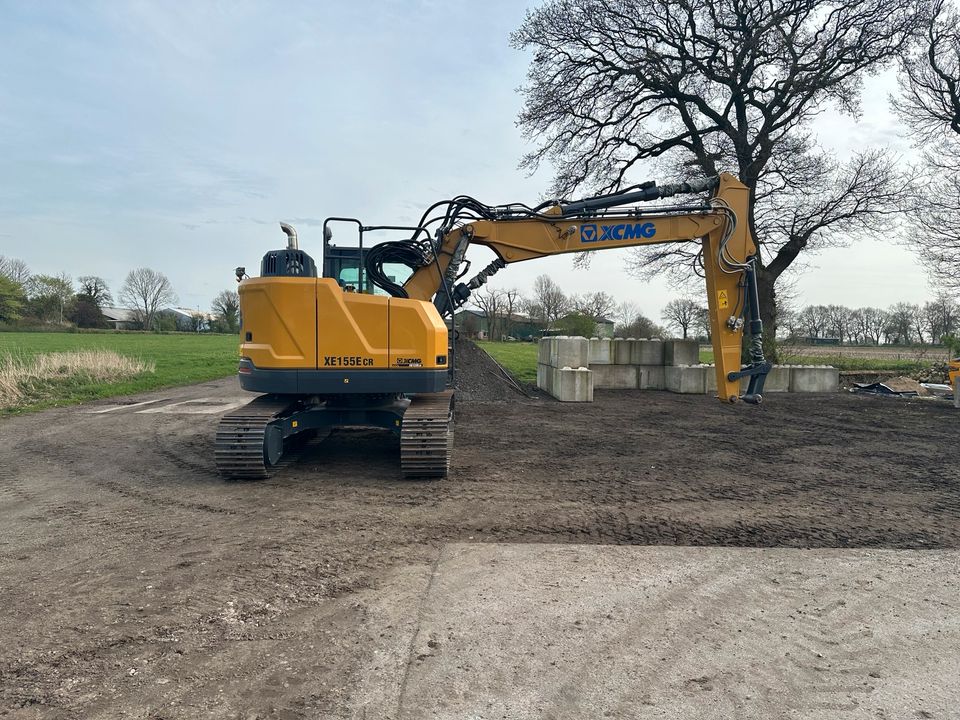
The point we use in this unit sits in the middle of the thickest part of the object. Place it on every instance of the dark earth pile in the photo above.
(478, 378)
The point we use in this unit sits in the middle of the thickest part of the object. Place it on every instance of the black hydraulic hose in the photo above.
(403, 252)
(648, 191)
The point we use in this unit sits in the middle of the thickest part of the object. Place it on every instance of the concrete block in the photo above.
(551, 356)
(686, 379)
(601, 351)
(646, 352)
(814, 378)
(614, 377)
(778, 379)
(545, 377)
(651, 377)
(543, 351)
(573, 385)
(620, 351)
(681, 352)
(710, 379)
(573, 352)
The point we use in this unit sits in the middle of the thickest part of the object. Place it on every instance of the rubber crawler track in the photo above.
(239, 445)
(426, 436)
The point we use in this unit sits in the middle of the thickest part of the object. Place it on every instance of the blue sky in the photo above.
(176, 135)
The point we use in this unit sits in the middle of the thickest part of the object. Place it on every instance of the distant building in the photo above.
(190, 319)
(472, 324)
(119, 318)
(475, 324)
(604, 328)
(173, 318)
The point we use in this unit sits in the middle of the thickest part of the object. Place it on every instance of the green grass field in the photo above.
(520, 359)
(180, 359)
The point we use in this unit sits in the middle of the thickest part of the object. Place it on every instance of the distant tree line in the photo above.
(900, 324)
(549, 308)
(37, 300)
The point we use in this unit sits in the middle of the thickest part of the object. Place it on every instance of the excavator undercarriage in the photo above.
(252, 440)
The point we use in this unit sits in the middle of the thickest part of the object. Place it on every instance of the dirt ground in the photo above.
(134, 582)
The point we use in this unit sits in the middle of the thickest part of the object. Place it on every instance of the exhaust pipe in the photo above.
(291, 234)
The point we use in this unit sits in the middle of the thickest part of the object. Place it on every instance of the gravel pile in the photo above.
(477, 377)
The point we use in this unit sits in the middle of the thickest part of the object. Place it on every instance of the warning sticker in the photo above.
(722, 300)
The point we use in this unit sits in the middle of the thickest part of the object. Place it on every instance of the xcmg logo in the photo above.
(624, 231)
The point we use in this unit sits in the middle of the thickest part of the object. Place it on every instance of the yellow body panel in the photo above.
(351, 328)
(417, 334)
(279, 314)
(311, 323)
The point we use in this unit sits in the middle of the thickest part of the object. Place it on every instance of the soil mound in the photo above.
(477, 376)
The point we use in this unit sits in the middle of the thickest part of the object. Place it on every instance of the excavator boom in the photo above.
(601, 223)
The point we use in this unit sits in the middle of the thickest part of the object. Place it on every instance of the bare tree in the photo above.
(640, 326)
(15, 270)
(931, 83)
(919, 322)
(226, 306)
(548, 303)
(899, 327)
(701, 323)
(681, 313)
(490, 302)
(625, 312)
(512, 302)
(941, 317)
(813, 320)
(704, 85)
(146, 291)
(96, 289)
(869, 324)
(930, 107)
(594, 305)
(839, 321)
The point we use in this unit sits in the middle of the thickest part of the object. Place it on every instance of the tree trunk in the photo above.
(767, 293)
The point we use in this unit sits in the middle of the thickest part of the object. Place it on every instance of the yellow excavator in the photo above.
(365, 343)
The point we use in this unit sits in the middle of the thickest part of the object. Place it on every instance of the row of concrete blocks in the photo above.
(577, 384)
(576, 352)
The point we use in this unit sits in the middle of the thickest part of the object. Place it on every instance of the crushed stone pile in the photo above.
(478, 378)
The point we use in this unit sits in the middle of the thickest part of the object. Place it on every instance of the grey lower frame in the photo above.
(340, 382)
